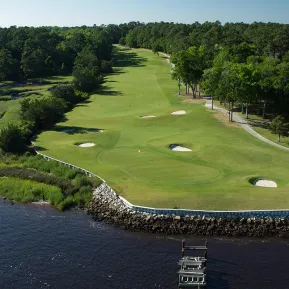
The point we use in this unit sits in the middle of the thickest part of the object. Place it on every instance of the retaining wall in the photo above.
(179, 212)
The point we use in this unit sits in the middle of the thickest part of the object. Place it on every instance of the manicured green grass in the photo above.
(284, 141)
(255, 121)
(32, 89)
(12, 112)
(4, 83)
(215, 175)
(252, 119)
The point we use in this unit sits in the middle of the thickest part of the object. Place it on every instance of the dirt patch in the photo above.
(188, 99)
(224, 119)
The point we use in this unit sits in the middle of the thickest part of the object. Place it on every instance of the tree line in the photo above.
(85, 53)
(244, 65)
(27, 52)
(237, 63)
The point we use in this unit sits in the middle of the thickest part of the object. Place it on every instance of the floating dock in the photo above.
(192, 273)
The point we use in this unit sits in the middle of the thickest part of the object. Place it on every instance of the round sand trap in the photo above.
(86, 145)
(147, 116)
(178, 148)
(265, 183)
(178, 112)
(95, 130)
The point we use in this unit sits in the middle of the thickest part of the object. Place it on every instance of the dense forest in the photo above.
(240, 64)
(28, 55)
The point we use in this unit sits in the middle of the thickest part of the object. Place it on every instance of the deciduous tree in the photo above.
(279, 127)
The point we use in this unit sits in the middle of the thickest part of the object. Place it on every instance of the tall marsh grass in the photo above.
(74, 188)
(25, 191)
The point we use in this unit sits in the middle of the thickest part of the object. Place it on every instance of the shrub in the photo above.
(87, 80)
(66, 92)
(66, 203)
(122, 41)
(43, 112)
(106, 67)
(13, 139)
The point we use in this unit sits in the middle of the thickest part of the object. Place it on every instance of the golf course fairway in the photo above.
(133, 154)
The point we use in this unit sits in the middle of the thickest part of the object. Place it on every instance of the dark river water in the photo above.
(41, 247)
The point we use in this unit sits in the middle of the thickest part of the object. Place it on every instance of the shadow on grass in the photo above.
(56, 79)
(255, 119)
(83, 103)
(128, 59)
(259, 123)
(71, 130)
(40, 149)
(117, 71)
(105, 90)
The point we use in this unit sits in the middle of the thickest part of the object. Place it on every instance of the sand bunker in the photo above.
(178, 112)
(95, 130)
(86, 145)
(147, 116)
(177, 148)
(265, 183)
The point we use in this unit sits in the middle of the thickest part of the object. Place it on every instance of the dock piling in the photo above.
(192, 273)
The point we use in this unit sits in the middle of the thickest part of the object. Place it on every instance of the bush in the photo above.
(82, 95)
(122, 41)
(66, 92)
(66, 203)
(87, 80)
(106, 67)
(13, 139)
(43, 112)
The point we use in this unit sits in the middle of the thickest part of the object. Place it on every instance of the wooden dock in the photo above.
(192, 273)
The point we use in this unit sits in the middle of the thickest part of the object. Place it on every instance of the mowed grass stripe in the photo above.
(132, 154)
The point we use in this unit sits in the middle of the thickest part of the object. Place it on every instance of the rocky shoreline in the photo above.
(106, 205)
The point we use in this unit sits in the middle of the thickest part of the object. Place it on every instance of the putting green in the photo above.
(133, 153)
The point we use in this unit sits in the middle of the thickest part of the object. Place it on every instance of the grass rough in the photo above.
(133, 156)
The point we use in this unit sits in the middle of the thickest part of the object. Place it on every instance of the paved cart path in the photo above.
(244, 124)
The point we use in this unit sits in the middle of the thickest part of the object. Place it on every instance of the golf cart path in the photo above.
(244, 124)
